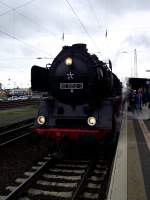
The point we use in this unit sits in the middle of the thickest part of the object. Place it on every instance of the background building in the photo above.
(20, 91)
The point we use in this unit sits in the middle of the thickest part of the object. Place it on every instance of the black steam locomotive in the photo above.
(83, 97)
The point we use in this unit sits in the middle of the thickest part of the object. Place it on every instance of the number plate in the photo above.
(71, 86)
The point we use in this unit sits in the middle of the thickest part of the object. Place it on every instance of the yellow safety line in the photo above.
(146, 132)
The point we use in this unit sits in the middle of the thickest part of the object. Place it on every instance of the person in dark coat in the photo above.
(145, 98)
(132, 100)
(138, 101)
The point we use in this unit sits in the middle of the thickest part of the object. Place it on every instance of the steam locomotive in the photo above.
(83, 98)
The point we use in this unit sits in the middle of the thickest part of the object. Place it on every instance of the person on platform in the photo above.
(149, 99)
(145, 98)
(138, 101)
(132, 100)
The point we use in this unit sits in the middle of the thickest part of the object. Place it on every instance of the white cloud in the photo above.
(35, 30)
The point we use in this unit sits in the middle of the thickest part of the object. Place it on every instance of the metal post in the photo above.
(135, 64)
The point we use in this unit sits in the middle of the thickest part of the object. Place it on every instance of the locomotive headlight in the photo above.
(91, 121)
(41, 120)
(68, 61)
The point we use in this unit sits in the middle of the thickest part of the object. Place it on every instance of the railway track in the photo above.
(15, 132)
(63, 179)
(12, 104)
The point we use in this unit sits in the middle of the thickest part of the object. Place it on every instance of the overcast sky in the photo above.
(34, 28)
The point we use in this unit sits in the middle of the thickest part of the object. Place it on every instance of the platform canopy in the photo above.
(136, 83)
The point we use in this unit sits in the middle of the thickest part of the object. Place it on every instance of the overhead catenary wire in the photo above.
(24, 43)
(16, 8)
(30, 20)
(94, 14)
(82, 24)
(102, 28)
(12, 35)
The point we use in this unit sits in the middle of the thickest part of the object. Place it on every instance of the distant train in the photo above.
(83, 98)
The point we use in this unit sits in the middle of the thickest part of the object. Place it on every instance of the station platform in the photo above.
(130, 178)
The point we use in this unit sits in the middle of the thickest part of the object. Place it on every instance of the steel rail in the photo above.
(18, 124)
(83, 181)
(13, 135)
(16, 129)
(29, 181)
(14, 104)
(15, 139)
